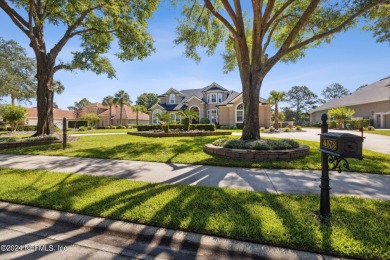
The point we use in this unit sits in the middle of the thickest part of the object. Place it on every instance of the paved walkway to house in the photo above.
(269, 180)
(373, 142)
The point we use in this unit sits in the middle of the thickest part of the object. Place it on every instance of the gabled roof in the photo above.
(170, 91)
(375, 92)
(213, 86)
(32, 112)
(97, 104)
(233, 96)
(127, 113)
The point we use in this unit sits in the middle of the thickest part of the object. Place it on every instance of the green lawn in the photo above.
(189, 150)
(379, 132)
(98, 131)
(359, 227)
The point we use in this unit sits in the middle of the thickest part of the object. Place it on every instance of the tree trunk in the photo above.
(137, 117)
(276, 116)
(45, 95)
(120, 115)
(110, 120)
(12, 100)
(251, 92)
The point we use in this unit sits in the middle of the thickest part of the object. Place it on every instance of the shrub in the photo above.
(281, 144)
(204, 121)
(56, 128)
(148, 127)
(289, 126)
(287, 129)
(234, 143)
(271, 129)
(240, 125)
(177, 126)
(69, 129)
(89, 127)
(91, 118)
(3, 129)
(75, 124)
(26, 128)
(131, 126)
(262, 129)
(12, 114)
(83, 128)
(316, 125)
(371, 128)
(186, 123)
(298, 128)
(225, 127)
(204, 127)
(165, 128)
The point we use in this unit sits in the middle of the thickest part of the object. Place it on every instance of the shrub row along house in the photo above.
(213, 102)
(370, 102)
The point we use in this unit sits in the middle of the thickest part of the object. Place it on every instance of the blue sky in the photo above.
(352, 59)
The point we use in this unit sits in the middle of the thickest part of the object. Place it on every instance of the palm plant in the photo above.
(274, 99)
(188, 115)
(165, 119)
(139, 108)
(122, 98)
(109, 101)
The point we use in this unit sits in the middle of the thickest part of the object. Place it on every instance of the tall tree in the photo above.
(138, 109)
(109, 101)
(341, 114)
(95, 22)
(274, 99)
(147, 100)
(12, 114)
(333, 91)
(80, 104)
(302, 99)
(17, 72)
(255, 40)
(122, 98)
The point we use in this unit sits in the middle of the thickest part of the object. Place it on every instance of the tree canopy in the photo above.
(302, 99)
(340, 114)
(17, 72)
(258, 34)
(147, 100)
(333, 91)
(80, 104)
(12, 114)
(380, 22)
(122, 98)
(96, 23)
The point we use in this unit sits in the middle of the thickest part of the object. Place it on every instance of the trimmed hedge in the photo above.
(26, 128)
(174, 127)
(148, 127)
(204, 127)
(73, 124)
(353, 124)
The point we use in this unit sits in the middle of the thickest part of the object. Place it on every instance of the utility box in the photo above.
(342, 145)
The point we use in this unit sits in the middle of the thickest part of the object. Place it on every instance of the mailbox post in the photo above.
(64, 133)
(335, 148)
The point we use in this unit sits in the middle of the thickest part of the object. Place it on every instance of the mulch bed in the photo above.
(177, 133)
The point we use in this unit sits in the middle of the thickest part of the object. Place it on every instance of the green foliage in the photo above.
(258, 144)
(164, 118)
(380, 22)
(17, 72)
(188, 115)
(341, 114)
(121, 127)
(287, 129)
(148, 127)
(26, 128)
(12, 114)
(91, 118)
(83, 128)
(204, 120)
(371, 128)
(122, 98)
(240, 125)
(131, 126)
(80, 105)
(203, 127)
(147, 100)
(298, 128)
(302, 99)
(75, 124)
(333, 91)
(89, 128)
(186, 123)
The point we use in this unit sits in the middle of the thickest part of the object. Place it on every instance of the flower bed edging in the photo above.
(178, 134)
(11, 145)
(257, 155)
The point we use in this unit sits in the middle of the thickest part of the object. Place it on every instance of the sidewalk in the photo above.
(363, 185)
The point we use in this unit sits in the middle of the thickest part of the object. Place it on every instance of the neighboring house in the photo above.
(372, 101)
(214, 102)
(128, 115)
(58, 114)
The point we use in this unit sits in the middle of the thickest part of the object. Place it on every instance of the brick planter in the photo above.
(257, 155)
(178, 134)
(27, 144)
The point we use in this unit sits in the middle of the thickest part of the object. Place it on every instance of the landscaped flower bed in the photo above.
(257, 150)
(16, 139)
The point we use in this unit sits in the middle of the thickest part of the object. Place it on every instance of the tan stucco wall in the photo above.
(364, 110)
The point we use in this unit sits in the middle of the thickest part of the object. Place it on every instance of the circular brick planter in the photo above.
(178, 134)
(257, 155)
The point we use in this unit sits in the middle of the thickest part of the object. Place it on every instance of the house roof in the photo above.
(32, 112)
(127, 113)
(97, 104)
(375, 92)
(234, 95)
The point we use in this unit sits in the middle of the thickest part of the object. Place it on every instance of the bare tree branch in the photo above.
(18, 20)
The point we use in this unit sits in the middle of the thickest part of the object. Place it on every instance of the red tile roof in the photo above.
(127, 113)
(97, 104)
(32, 112)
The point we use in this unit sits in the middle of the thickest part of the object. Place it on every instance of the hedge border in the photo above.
(178, 134)
(257, 155)
(10, 145)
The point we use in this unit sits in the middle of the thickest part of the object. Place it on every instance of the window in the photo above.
(240, 113)
(172, 99)
(212, 116)
(173, 117)
(214, 98)
(155, 119)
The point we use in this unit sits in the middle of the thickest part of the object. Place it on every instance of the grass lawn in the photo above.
(379, 132)
(98, 131)
(359, 227)
(189, 150)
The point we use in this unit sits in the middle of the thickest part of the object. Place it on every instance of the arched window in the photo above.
(195, 120)
(240, 113)
(172, 99)
(155, 119)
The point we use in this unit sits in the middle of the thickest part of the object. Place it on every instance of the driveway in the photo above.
(377, 143)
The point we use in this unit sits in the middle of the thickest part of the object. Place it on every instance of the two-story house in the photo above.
(214, 102)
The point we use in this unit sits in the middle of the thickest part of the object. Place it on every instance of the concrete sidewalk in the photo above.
(364, 185)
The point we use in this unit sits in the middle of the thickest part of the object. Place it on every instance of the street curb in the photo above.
(174, 237)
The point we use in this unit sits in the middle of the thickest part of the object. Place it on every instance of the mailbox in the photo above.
(342, 145)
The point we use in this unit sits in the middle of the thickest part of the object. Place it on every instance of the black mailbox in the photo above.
(342, 145)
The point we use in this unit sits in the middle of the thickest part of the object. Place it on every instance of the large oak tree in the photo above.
(95, 22)
(258, 34)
